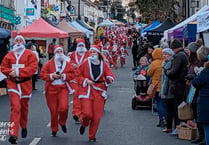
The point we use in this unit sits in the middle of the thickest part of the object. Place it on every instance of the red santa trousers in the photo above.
(58, 103)
(122, 60)
(76, 109)
(19, 113)
(91, 113)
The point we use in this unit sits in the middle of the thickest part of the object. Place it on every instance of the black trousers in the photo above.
(135, 61)
(34, 78)
(172, 112)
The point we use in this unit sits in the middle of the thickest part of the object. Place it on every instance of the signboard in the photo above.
(203, 22)
(30, 12)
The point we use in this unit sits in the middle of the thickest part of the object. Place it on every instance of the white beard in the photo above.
(59, 58)
(94, 59)
(17, 48)
(81, 50)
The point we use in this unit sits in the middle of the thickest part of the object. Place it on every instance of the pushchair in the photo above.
(141, 99)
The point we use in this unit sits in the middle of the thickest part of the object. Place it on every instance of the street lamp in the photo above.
(79, 3)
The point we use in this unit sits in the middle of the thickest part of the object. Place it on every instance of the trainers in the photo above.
(13, 139)
(160, 124)
(54, 134)
(198, 140)
(166, 130)
(24, 132)
(82, 130)
(64, 129)
(75, 117)
(203, 142)
(92, 140)
(174, 132)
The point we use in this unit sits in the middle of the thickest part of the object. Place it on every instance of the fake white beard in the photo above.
(81, 50)
(59, 58)
(115, 48)
(122, 49)
(94, 59)
(17, 48)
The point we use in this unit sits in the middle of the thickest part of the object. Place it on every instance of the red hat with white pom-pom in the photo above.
(96, 48)
(58, 47)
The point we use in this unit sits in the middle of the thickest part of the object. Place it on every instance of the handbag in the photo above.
(185, 111)
(151, 91)
(191, 94)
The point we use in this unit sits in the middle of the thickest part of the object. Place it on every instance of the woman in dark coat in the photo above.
(201, 82)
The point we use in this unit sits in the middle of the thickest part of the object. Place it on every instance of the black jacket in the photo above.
(177, 73)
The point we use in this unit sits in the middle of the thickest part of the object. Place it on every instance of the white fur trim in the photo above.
(96, 49)
(58, 48)
(64, 77)
(87, 95)
(71, 91)
(110, 78)
(20, 36)
(81, 43)
(51, 76)
(85, 82)
(13, 90)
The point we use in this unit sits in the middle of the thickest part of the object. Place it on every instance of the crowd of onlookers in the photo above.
(173, 70)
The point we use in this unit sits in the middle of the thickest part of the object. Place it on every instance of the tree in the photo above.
(157, 9)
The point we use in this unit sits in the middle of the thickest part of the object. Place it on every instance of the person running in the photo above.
(19, 65)
(94, 75)
(56, 72)
(76, 58)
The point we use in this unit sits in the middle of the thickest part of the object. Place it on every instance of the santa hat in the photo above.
(58, 47)
(96, 48)
(21, 37)
(81, 42)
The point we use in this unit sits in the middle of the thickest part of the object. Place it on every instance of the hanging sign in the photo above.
(30, 12)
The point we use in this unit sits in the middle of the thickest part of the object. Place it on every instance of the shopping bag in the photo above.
(151, 91)
(191, 94)
(185, 111)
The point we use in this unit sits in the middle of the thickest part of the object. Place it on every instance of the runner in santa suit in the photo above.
(19, 65)
(95, 75)
(114, 52)
(56, 72)
(108, 58)
(76, 58)
(123, 53)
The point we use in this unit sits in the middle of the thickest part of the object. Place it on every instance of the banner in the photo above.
(30, 12)
(206, 38)
(203, 22)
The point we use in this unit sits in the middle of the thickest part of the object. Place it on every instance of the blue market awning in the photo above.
(152, 26)
(4, 33)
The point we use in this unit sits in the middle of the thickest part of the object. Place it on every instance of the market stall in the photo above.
(156, 34)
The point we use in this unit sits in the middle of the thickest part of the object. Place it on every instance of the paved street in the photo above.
(120, 124)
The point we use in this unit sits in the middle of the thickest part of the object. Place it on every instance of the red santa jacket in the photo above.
(26, 65)
(77, 59)
(105, 78)
(49, 68)
(123, 52)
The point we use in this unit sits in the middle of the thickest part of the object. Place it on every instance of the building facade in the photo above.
(7, 14)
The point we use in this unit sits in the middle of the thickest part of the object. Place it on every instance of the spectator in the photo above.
(176, 75)
(134, 53)
(164, 93)
(194, 63)
(201, 82)
(155, 72)
(34, 77)
(51, 48)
